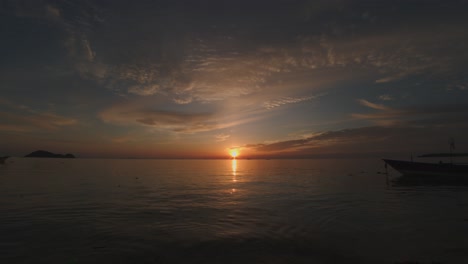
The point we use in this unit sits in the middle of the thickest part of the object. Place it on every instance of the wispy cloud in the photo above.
(410, 115)
(53, 11)
(34, 121)
(124, 139)
(386, 97)
(359, 141)
(14, 128)
(331, 141)
(129, 114)
(175, 121)
(21, 118)
(286, 100)
(222, 137)
(373, 105)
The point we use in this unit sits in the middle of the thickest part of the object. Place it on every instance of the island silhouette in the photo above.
(48, 154)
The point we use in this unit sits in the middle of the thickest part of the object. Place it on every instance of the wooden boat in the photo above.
(428, 169)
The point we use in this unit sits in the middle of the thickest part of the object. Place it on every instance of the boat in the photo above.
(3, 159)
(428, 169)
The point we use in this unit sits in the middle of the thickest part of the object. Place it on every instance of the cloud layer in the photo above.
(251, 73)
(21, 118)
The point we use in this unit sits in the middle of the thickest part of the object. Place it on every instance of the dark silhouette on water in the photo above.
(412, 168)
(47, 154)
(432, 169)
(3, 159)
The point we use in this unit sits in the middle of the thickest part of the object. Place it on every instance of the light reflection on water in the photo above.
(212, 211)
(234, 169)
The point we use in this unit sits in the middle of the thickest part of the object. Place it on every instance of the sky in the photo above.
(196, 79)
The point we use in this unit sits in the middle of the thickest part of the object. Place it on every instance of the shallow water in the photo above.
(224, 211)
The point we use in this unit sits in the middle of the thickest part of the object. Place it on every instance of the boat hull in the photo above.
(428, 169)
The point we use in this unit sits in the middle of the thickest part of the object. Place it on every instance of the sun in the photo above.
(234, 153)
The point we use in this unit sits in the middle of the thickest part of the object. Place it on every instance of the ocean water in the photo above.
(226, 211)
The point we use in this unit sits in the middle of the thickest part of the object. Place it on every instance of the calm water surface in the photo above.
(224, 211)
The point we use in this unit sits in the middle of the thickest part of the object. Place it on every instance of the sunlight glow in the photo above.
(234, 153)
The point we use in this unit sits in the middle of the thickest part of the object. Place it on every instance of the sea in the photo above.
(227, 211)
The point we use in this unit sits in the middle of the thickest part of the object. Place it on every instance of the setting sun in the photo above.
(234, 152)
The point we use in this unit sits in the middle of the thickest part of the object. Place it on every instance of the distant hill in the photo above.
(47, 154)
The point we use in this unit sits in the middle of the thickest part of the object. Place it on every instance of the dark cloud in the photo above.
(439, 114)
(365, 140)
(397, 129)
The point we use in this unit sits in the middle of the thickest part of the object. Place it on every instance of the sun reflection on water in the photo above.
(234, 170)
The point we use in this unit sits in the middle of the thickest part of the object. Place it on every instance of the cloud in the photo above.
(14, 128)
(461, 86)
(175, 121)
(130, 114)
(222, 137)
(385, 97)
(53, 11)
(390, 79)
(182, 100)
(287, 100)
(124, 139)
(88, 52)
(355, 142)
(322, 140)
(35, 121)
(39, 9)
(214, 60)
(203, 63)
(144, 90)
(451, 113)
(373, 105)
(21, 118)
(393, 130)
(208, 72)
